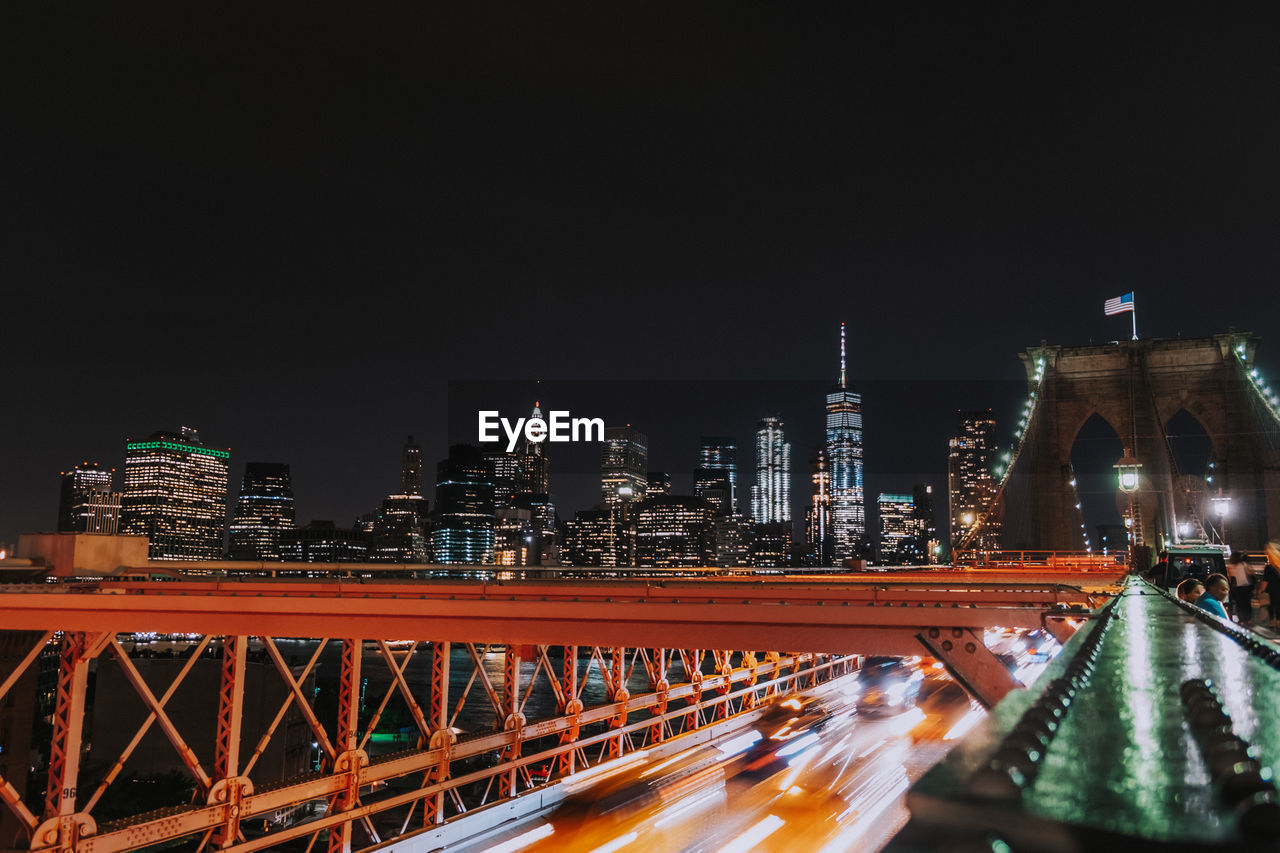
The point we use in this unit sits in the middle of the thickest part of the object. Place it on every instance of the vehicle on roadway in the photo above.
(889, 685)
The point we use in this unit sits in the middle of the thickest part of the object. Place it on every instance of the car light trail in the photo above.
(965, 724)
(753, 836)
(617, 843)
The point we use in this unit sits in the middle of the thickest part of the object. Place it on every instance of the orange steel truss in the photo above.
(606, 697)
(355, 805)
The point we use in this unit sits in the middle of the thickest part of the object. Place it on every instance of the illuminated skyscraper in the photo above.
(464, 522)
(771, 495)
(175, 493)
(411, 469)
(844, 459)
(817, 516)
(720, 453)
(597, 537)
(81, 486)
(263, 513)
(971, 488)
(535, 466)
(624, 461)
(508, 476)
(901, 531)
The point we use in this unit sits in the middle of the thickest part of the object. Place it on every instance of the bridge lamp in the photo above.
(1127, 473)
(1221, 504)
(1184, 529)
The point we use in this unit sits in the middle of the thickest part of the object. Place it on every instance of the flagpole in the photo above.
(1134, 312)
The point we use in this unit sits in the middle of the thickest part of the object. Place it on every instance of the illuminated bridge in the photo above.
(610, 667)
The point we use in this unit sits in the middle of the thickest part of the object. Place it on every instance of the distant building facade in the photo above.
(719, 453)
(820, 547)
(624, 464)
(674, 531)
(81, 487)
(399, 533)
(263, 512)
(324, 542)
(598, 538)
(926, 515)
(771, 545)
(175, 494)
(411, 469)
(971, 487)
(734, 535)
(657, 483)
(901, 532)
(463, 528)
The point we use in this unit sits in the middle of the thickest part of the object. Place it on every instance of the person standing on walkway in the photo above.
(1241, 587)
(1271, 583)
(1216, 590)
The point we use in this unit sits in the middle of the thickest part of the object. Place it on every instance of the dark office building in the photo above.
(399, 530)
(411, 469)
(720, 453)
(595, 537)
(674, 531)
(508, 476)
(922, 497)
(81, 487)
(659, 483)
(771, 545)
(716, 488)
(263, 513)
(733, 540)
(545, 523)
(324, 542)
(463, 529)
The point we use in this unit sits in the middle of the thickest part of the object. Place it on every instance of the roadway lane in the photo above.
(792, 783)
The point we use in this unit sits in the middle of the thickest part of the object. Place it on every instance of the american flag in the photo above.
(1118, 305)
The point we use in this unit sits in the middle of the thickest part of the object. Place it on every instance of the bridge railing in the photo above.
(1075, 561)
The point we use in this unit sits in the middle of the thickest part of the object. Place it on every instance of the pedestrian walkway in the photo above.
(1154, 727)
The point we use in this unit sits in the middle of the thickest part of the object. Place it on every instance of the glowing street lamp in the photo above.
(1221, 504)
(1127, 473)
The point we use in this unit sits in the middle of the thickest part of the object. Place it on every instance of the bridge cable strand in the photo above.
(1004, 467)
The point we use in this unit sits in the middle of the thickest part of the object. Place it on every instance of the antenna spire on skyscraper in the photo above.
(842, 374)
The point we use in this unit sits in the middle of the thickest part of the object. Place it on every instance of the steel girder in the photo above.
(577, 735)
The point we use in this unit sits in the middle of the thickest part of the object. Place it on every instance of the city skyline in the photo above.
(926, 464)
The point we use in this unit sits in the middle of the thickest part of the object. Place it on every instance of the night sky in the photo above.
(306, 236)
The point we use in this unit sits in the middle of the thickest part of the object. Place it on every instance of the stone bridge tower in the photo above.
(1136, 387)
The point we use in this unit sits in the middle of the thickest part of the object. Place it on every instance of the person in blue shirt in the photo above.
(1217, 589)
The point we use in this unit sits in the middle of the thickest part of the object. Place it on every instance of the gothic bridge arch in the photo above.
(1137, 387)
